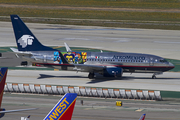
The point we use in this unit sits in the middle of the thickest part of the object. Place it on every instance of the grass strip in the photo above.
(151, 20)
(158, 4)
(91, 14)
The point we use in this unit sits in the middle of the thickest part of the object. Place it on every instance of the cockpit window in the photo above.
(162, 60)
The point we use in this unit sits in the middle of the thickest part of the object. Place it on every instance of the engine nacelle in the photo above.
(113, 72)
(2, 114)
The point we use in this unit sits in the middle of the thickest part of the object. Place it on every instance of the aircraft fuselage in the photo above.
(129, 62)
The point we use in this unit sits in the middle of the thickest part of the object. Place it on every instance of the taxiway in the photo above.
(168, 81)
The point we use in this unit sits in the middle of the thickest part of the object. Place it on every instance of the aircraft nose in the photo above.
(171, 65)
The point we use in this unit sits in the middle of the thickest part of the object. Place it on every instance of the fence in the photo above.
(83, 91)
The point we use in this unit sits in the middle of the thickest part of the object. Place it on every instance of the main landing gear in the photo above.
(91, 75)
(154, 75)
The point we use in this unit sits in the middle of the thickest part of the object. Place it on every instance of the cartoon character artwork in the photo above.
(71, 57)
(57, 58)
(84, 56)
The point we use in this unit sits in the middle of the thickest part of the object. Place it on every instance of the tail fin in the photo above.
(63, 109)
(3, 74)
(25, 39)
(142, 117)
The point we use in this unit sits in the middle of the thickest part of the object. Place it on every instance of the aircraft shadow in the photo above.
(104, 79)
(99, 79)
(157, 78)
(43, 76)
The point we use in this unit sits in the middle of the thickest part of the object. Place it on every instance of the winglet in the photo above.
(3, 74)
(68, 49)
(63, 110)
(25, 39)
(142, 117)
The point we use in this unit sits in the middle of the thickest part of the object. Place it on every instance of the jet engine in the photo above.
(2, 114)
(112, 72)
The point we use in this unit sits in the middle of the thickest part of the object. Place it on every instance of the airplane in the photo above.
(3, 74)
(108, 64)
(142, 117)
(26, 118)
(63, 110)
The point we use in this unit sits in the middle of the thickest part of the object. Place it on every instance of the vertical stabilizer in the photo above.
(63, 110)
(142, 117)
(25, 39)
(3, 74)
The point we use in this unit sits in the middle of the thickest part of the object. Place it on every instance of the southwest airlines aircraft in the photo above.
(108, 64)
(63, 110)
(3, 74)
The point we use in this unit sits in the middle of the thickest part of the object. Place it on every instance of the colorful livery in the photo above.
(63, 110)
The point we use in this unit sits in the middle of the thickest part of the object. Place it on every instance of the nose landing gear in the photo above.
(154, 75)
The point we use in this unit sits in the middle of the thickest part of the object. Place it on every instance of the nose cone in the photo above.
(171, 65)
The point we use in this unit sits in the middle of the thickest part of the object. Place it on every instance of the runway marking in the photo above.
(166, 42)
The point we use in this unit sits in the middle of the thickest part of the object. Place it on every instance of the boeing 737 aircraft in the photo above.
(105, 63)
(3, 74)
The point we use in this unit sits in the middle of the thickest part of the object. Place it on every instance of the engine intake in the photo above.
(2, 114)
(113, 72)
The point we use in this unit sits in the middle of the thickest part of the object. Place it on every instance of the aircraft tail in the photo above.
(25, 39)
(3, 74)
(63, 110)
(142, 117)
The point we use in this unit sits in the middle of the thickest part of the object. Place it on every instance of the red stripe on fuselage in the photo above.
(109, 65)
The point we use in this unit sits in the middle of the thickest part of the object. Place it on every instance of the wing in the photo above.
(20, 53)
(73, 67)
(88, 68)
(8, 111)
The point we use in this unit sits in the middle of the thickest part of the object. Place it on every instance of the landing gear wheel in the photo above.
(153, 77)
(91, 75)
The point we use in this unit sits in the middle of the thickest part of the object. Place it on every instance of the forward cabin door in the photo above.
(151, 62)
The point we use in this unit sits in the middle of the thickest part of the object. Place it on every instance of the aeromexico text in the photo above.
(129, 57)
